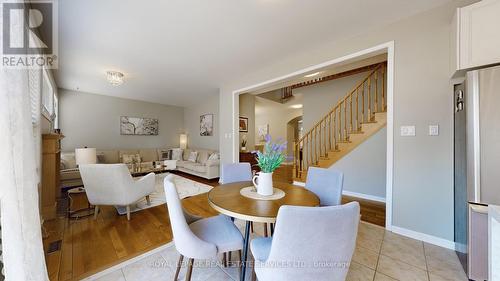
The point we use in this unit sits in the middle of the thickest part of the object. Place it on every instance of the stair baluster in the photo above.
(318, 141)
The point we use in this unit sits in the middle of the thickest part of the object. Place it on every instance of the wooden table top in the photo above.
(227, 200)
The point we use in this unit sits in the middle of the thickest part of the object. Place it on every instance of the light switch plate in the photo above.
(433, 130)
(408, 131)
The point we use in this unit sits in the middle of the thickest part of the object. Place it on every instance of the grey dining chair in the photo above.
(327, 184)
(235, 172)
(309, 243)
(203, 238)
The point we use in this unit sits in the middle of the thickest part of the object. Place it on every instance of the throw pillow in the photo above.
(131, 158)
(214, 156)
(192, 156)
(166, 154)
(177, 154)
(203, 156)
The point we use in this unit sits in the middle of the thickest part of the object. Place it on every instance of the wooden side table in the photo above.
(78, 193)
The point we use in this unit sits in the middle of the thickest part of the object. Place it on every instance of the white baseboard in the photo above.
(352, 194)
(363, 196)
(462, 248)
(424, 237)
(299, 183)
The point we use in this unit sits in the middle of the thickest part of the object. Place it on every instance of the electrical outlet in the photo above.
(408, 131)
(433, 130)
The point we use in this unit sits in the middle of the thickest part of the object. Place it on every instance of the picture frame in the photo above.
(243, 124)
(138, 126)
(207, 125)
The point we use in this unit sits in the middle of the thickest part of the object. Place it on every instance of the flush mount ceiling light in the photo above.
(296, 106)
(114, 77)
(312, 74)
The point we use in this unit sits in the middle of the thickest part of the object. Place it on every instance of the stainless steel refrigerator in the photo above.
(477, 164)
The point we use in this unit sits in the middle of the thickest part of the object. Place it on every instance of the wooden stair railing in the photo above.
(357, 107)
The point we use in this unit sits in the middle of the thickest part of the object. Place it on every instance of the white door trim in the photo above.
(388, 48)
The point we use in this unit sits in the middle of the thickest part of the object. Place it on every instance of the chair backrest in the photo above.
(236, 172)
(186, 242)
(327, 184)
(106, 184)
(320, 240)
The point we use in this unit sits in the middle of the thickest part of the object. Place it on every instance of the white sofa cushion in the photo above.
(177, 154)
(68, 161)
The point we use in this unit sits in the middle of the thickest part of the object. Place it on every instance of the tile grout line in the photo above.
(378, 257)
(426, 265)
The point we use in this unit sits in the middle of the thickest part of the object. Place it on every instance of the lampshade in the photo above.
(183, 140)
(85, 156)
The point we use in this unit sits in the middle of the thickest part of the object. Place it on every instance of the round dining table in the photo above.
(227, 199)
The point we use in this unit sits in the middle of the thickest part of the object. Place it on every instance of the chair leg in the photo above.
(96, 211)
(265, 229)
(229, 262)
(148, 200)
(128, 212)
(179, 265)
(189, 269)
(251, 226)
(254, 276)
(224, 259)
(241, 262)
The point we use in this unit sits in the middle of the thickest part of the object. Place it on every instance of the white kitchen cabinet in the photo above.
(477, 35)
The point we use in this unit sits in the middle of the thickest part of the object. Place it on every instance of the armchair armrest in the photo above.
(146, 184)
(211, 163)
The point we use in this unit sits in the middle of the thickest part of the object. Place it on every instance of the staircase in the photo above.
(355, 118)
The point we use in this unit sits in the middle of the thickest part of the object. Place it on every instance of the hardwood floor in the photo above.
(88, 246)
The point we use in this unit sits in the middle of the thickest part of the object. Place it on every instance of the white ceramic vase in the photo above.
(264, 183)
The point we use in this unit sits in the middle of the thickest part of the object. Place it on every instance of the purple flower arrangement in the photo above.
(274, 154)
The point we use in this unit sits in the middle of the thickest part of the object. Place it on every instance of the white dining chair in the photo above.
(309, 243)
(112, 184)
(203, 238)
(327, 184)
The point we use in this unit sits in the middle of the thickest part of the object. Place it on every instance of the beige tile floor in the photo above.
(379, 256)
(382, 255)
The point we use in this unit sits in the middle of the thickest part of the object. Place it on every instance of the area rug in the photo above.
(185, 188)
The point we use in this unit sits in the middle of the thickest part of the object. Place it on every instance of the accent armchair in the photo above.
(309, 243)
(112, 184)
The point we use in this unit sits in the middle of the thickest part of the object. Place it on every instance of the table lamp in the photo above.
(85, 156)
(183, 141)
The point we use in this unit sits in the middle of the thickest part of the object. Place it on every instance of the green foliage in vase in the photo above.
(274, 154)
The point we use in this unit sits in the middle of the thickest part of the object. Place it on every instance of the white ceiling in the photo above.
(180, 51)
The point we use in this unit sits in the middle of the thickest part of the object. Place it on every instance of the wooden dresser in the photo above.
(51, 159)
(250, 158)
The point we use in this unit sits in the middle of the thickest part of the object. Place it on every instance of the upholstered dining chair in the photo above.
(327, 184)
(112, 184)
(309, 243)
(235, 172)
(203, 238)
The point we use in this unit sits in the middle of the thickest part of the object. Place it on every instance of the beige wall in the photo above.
(364, 168)
(94, 121)
(192, 123)
(247, 109)
(423, 167)
(319, 99)
(276, 115)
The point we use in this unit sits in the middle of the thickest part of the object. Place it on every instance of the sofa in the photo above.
(202, 167)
